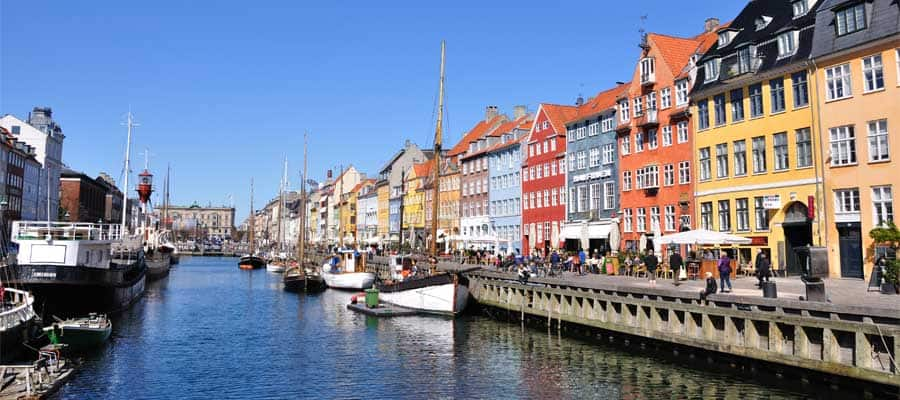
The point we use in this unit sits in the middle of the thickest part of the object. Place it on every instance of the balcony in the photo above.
(648, 79)
(649, 119)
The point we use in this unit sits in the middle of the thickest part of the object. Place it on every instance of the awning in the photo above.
(594, 230)
(599, 231)
(702, 236)
(571, 231)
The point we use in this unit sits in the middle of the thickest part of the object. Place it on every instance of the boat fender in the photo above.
(355, 298)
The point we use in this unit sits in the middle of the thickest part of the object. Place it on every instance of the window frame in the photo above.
(881, 139)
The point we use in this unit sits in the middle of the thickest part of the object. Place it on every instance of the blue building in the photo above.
(504, 175)
(593, 169)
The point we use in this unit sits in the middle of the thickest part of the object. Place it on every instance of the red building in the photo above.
(544, 178)
(654, 137)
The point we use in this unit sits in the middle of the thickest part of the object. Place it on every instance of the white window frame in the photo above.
(626, 220)
(626, 180)
(609, 153)
(623, 110)
(609, 193)
(711, 70)
(684, 172)
(652, 139)
(843, 143)
(838, 83)
(667, 135)
(846, 201)
(882, 205)
(682, 129)
(681, 92)
(626, 145)
(669, 216)
(787, 43)
(596, 196)
(878, 141)
(665, 98)
(873, 71)
(641, 220)
(594, 156)
(669, 175)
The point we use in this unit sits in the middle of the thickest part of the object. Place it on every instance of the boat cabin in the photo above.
(64, 243)
(351, 261)
(401, 267)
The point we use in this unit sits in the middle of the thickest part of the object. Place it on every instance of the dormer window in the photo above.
(801, 7)
(850, 19)
(762, 22)
(711, 68)
(648, 70)
(725, 37)
(787, 44)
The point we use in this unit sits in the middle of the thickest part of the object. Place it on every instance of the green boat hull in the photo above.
(83, 338)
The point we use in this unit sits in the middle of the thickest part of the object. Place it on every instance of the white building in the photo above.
(45, 135)
(367, 214)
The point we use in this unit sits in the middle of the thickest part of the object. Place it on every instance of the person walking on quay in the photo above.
(651, 262)
(676, 263)
(554, 261)
(710, 286)
(582, 257)
(763, 268)
(724, 272)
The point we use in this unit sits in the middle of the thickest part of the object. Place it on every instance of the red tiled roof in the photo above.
(524, 122)
(361, 184)
(602, 101)
(558, 115)
(424, 168)
(481, 129)
(675, 51)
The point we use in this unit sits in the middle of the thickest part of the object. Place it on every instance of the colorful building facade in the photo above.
(755, 164)
(544, 178)
(856, 71)
(505, 181)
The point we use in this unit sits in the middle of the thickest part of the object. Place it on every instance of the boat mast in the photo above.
(281, 208)
(130, 123)
(252, 219)
(437, 159)
(302, 238)
(340, 197)
(166, 200)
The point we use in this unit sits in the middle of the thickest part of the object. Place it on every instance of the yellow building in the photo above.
(754, 159)
(384, 192)
(413, 224)
(448, 204)
(859, 98)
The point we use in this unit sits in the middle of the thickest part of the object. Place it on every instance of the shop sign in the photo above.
(759, 240)
(772, 202)
(592, 175)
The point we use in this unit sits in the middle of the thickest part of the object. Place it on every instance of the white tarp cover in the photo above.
(703, 236)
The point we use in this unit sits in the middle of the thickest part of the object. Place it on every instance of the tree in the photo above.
(888, 236)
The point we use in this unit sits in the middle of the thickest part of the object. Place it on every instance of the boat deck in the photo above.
(29, 381)
(383, 310)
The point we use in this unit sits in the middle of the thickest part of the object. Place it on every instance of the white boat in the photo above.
(442, 293)
(350, 273)
(273, 267)
(16, 317)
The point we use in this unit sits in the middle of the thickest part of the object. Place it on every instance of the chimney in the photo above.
(328, 174)
(41, 118)
(711, 24)
(490, 112)
(579, 101)
(406, 144)
(519, 111)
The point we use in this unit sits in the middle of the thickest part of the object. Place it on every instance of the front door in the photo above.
(797, 233)
(850, 242)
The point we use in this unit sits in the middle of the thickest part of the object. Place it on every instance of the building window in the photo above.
(761, 214)
(595, 196)
(665, 98)
(756, 102)
(582, 160)
(682, 132)
(638, 106)
(651, 101)
(804, 148)
(703, 114)
(573, 199)
(719, 106)
(582, 198)
(626, 144)
(609, 153)
(801, 91)
(843, 145)
(684, 172)
(873, 73)
(722, 160)
(745, 61)
(882, 206)
(846, 201)
(837, 82)
(594, 157)
(639, 142)
(654, 218)
(652, 139)
(740, 157)
(562, 165)
(878, 141)
(800, 8)
(669, 175)
(705, 164)
(737, 105)
(787, 44)
(850, 19)
(724, 215)
(553, 197)
(606, 123)
(609, 193)
(593, 129)
(776, 90)
(706, 215)
(711, 69)
(781, 151)
(742, 211)
(681, 92)
(641, 220)
(647, 70)
(626, 180)
(667, 135)
(669, 213)
(759, 154)
(626, 220)
(623, 110)
(651, 177)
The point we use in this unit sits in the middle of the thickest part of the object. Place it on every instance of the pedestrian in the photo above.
(651, 262)
(582, 257)
(523, 274)
(724, 272)
(710, 286)
(676, 263)
(554, 260)
(763, 268)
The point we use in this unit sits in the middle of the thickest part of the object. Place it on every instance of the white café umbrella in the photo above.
(554, 238)
(642, 243)
(614, 237)
(657, 240)
(585, 241)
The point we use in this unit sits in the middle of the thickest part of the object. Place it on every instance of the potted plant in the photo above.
(888, 236)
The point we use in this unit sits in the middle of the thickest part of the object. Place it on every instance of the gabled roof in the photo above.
(523, 122)
(558, 115)
(361, 184)
(424, 168)
(480, 129)
(603, 101)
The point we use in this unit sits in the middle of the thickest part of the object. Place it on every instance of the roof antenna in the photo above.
(580, 100)
(643, 33)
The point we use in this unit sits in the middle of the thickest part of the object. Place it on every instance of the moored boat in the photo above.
(297, 279)
(70, 267)
(17, 317)
(441, 293)
(348, 273)
(277, 266)
(251, 262)
(158, 265)
(80, 333)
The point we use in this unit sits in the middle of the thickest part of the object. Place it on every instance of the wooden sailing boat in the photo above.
(441, 292)
(251, 260)
(303, 276)
(279, 263)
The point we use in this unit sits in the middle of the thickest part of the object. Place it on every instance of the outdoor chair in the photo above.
(665, 272)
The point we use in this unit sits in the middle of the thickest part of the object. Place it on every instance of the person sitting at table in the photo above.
(711, 286)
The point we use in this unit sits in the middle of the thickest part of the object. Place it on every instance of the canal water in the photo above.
(210, 330)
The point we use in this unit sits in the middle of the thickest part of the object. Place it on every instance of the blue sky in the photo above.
(223, 90)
